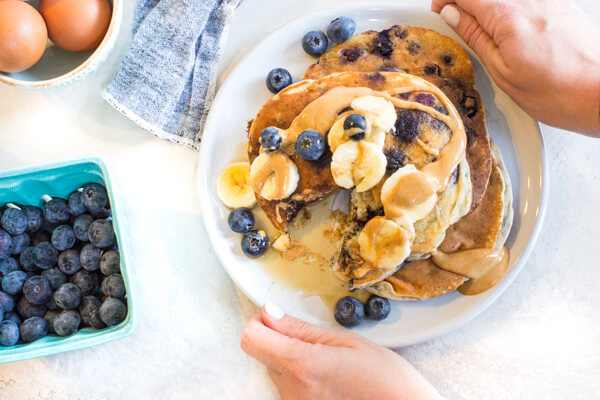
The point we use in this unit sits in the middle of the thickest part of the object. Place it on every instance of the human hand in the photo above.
(307, 362)
(545, 54)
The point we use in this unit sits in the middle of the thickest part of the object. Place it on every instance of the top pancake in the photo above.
(434, 57)
(315, 179)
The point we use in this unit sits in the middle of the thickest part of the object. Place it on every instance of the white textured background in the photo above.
(541, 339)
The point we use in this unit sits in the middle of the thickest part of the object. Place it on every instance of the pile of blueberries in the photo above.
(314, 43)
(59, 267)
(350, 312)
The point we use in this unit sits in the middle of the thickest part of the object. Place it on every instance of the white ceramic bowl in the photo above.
(58, 67)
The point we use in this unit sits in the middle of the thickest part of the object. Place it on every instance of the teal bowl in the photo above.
(27, 186)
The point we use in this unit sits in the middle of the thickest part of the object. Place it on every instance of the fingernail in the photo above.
(273, 310)
(451, 15)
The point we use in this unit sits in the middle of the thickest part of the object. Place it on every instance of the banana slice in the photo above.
(274, 176)
(408, 192)
(233, 186)
(379, 111)
(385, 243)
(358, 163)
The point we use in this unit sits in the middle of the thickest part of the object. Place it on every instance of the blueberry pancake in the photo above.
(486, 227)
(314, 177)
(432, 56)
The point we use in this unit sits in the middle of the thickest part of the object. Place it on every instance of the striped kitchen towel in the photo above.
(166, 82)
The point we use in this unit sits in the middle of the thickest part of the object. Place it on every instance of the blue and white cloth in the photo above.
(166, 82)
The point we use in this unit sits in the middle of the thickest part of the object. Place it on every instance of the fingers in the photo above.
(269, 347)
(437, 5)
(275, 377)
(473, 34)
(292, 327)
(473, 7)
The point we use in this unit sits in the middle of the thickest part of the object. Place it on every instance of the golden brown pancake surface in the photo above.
(432, 56)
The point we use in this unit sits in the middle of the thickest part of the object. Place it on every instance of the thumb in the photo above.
(472, 33)
(275, 319)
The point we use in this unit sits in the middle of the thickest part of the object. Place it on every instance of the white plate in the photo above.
(244, 92)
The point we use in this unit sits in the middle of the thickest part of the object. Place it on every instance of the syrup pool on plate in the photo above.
(307, 267)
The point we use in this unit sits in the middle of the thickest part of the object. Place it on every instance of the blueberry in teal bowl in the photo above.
(37, 266)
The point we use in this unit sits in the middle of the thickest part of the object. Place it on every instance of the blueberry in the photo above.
(110, 262)
(45, 255)
(12, 316)
(75, 202)
(341, 29)
(67, 296)
(27, 310)
(33, 329)
(315, 43)
(50, 316)
(270, 139)
(13, 282)
(56, 212)
(14, 221)
(241, 220)
(38, 237)
(81, 225)
(1, 312)
(9, 333)
(63, 238)
(407, 126)
(26, 259)
(355, 126)
(55, 277)
(102, 214)
(113, 311)
(20, 242)
(7, 266)
(94, 197)
(377, 308)
(349, 312)
(51, 304)
(278, 79)
(101, 234)
(90, 312)
(113, 286)
(255, 243)
(310, 145)
(7, 302)
(87, 281)
(37, 290)
(35, 218)
(90, 257)
(67, 323)
(6, 244)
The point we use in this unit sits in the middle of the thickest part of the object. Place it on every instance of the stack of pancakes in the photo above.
(475, 208)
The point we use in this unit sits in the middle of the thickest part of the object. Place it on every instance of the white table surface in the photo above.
(541, 339)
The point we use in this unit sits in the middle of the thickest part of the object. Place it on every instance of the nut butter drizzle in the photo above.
(484, 267)
(276, 164)
(322, 112)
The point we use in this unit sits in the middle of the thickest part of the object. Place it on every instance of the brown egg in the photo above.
(23, 36)
(76, 25)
